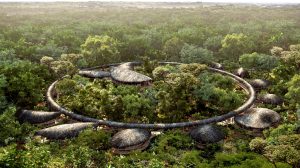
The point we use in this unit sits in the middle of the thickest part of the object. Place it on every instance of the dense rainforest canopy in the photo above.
(42, 42)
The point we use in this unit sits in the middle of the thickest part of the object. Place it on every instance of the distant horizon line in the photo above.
(153, 1)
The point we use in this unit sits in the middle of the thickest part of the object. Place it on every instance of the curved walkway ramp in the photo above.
(243, 83)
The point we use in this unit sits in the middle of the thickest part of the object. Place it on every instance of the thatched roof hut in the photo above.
(241, 72)
(64, 131)
(127, 65)
(257, 118)
(124, 74)
(94, 74)
(35, 117)
(205, 134)
(216, 65)
(259, 83)
(127, 140)
(271, 99)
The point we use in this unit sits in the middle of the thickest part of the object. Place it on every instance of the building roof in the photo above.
(271, 99)
(241, 72)
(130, 137)
(257, 118)
(64, 131)
(207, 134)
(124, 74)
(35, 117)
(259, 83)
(94, 73)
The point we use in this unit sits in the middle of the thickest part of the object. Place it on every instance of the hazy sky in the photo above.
(231, 1)
(243, 1)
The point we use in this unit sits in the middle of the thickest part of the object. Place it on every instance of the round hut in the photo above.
(127, 65)
(206, 134)
(216, 65)
(259, 84)
(94, 73)
(36, 117)
(257, 118)
(64, 131)
(241, 72)
(271, 99)
(124, 74)
(125, 141)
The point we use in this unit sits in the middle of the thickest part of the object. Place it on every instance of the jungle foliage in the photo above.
(38, 46)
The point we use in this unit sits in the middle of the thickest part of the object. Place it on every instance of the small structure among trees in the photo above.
(271, 99)
(124, 74)
(206, 134)
(259, 84)
(125, 141)
(35, 117)
(65, 130)
(257, 118)
(241, 72)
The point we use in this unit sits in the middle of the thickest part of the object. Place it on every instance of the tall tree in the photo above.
(194, 54)
(172, 48)
(259, 61)
(100, 50)
(234, 45)
(292, 57)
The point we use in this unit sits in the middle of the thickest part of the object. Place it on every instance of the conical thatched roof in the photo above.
(94, 74)
(207, 134)
(257, 118)
(271, 99)
(64, 131)
(259, 83)
(130, 137)
(35, 117)
(124, 74)
(241, 72)
(216, 65)
(127, 65)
